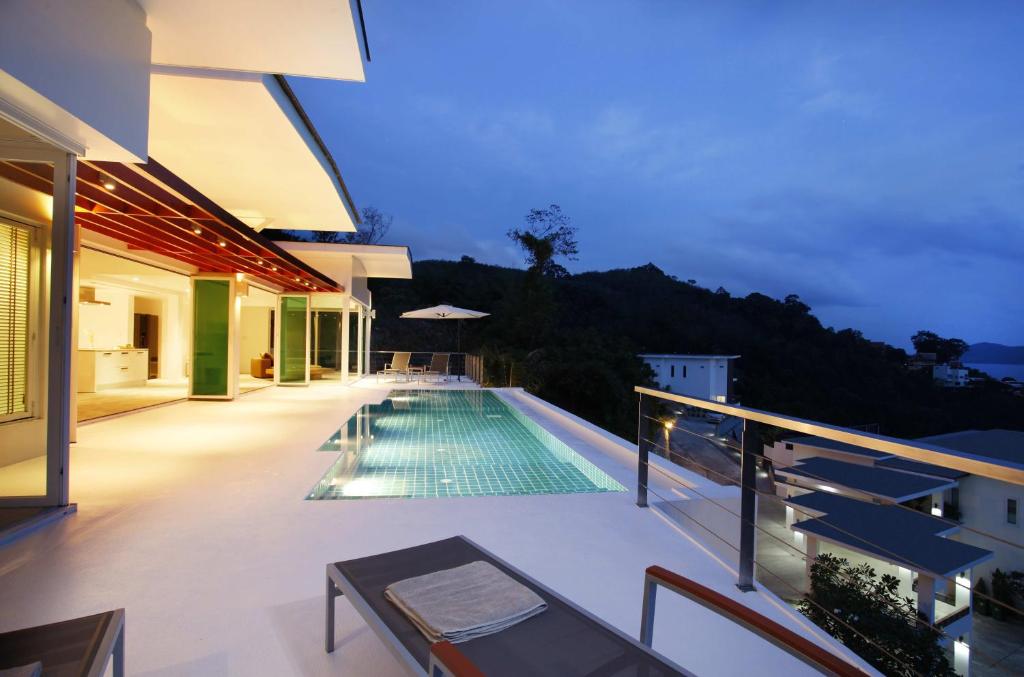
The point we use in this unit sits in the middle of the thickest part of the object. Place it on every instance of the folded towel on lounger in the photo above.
(460, 604)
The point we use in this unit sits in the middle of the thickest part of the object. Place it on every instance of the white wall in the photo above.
(57, 56)
(254, 330)
(983, 507)
(704, 377)
(782, 456)
(105, 327)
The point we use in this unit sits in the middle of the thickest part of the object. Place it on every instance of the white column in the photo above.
(62, 266)
(812, 554)
(73, 385)
(366, 341)
(345, 317)
(359, 342)
(926, 596)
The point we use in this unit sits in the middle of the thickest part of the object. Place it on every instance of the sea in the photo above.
(999, 371)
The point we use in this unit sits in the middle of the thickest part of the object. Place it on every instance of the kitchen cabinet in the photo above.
(104, 369)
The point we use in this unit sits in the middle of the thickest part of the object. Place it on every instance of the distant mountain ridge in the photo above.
(994, 353)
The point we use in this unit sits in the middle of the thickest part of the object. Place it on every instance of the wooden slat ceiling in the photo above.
(151, 209)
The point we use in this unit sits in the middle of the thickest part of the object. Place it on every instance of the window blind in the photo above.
(14, 295)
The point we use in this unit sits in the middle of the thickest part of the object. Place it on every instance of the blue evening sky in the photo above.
(868, 156)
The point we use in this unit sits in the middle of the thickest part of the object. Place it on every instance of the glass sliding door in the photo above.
(37, 305)
(325, 346)
(293, 345)
(211, 327)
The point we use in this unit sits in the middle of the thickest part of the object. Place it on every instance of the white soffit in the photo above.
(383, 261)
(238, 140)
(314, 38)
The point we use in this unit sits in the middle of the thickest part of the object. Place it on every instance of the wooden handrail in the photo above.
(447, 661)
(1006, 471)
(800, 647)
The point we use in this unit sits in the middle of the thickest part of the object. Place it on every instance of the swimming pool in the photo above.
(444, 443)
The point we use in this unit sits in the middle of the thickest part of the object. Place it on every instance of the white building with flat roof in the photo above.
(706, 376)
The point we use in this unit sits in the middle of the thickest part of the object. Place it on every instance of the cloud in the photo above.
(826, 93)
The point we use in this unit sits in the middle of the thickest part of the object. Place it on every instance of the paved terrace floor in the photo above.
(192, 517)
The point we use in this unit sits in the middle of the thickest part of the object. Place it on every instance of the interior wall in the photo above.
(105, 327)
(254, 330)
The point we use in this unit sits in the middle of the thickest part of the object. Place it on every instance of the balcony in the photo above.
(192, 517)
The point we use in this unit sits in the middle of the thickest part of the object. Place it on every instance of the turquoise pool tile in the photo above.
(430, 443)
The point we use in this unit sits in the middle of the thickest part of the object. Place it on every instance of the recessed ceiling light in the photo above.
(107, 182)
(197, 230)
(223, 243)
(259, 261)
(273, 268)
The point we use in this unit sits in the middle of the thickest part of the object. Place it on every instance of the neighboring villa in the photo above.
(952, 375)
(923, 522)
(709, 377)
(145, 149)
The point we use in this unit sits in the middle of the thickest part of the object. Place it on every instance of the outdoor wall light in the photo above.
(107, 182)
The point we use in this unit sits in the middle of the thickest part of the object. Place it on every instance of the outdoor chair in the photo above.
(80, 647)
(564, 641)
(398, 366)
(438, 368)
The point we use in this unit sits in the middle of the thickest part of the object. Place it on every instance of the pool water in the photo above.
(437, 443)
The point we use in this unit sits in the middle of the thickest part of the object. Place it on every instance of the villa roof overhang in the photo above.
(247, 141)
(379, 261)
(151, 209)
(891, 485)
(891, 533)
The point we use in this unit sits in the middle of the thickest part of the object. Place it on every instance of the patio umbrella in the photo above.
(445, 312)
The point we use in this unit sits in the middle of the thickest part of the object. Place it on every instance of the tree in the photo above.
(548, 233)
(867, 614)
(375, 225)
(946, 350)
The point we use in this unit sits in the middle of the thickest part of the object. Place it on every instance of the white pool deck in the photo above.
(192, 517)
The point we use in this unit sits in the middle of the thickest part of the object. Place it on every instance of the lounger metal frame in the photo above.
(338, 585)
(109, 647)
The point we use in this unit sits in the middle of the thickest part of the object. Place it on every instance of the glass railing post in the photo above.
(644, 433)
(751, 451)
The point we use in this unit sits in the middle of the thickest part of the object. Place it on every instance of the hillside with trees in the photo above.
(573, 339)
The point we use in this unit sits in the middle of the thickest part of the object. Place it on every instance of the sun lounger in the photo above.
(398, 366)
(77, 648)
(565, 640)
(438, 368)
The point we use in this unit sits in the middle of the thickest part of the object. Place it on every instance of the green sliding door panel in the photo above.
(293, 339)
(211, 314)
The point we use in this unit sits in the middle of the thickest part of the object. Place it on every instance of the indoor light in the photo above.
(197, 230)
(107, 182)
(273, 268)
(222, 243)
(259, 261)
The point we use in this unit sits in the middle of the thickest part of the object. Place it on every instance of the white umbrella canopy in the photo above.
(443, 312)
